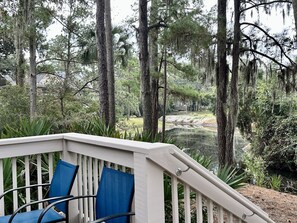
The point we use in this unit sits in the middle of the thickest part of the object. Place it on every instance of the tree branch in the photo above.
(158, 25)
(265, 3)
(79, 90)
(267, 34)
(265, 55)
(50, 73)
(57, 59)
(62, 23)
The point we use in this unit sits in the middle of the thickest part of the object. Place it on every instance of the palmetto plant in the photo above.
(7, 173)
(25, 128)
(205, 161)
(275, 182)
(231, 176)
(94, 126)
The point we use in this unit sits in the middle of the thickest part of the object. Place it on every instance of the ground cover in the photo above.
(281, 207)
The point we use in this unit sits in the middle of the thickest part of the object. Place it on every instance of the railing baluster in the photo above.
(221, 214)
(96, 175)
(187, 203)
(90, 188)
(199, 207)
(1, 188)
(230, 217)
(27, 181)
(50, 167)
(14, 183)
(39, 179)
(174, 194)
(101, 168)
(210, 210)
(85, 189)
(98, 152)
(80, 184)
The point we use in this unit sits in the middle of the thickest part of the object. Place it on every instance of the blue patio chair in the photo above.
(59, 188)
(113, 199)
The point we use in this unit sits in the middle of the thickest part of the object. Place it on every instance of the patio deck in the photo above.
(204, 196)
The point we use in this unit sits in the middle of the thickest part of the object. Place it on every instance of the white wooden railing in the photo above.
(192, 193)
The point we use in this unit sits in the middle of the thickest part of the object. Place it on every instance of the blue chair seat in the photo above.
(50, 216)
(113, 199)
(60, 187)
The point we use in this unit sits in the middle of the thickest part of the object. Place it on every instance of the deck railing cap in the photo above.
(27, 139)
(121, 144)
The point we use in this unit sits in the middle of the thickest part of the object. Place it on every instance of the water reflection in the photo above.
(203, 140)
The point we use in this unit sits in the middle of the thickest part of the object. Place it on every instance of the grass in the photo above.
(131, 125)
(134, 124)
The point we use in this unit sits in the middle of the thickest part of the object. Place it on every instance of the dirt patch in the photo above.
(281, 207)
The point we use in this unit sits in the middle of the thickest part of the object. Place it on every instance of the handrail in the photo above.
(224, 188)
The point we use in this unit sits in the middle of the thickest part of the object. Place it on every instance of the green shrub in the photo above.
(277, 143)
(267, 117)
(14, 105)
(275, 182)
(255, 167)
(205, 161)
(27, 128)
(94, 126)
(232, 176)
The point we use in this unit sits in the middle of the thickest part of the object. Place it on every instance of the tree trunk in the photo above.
(102, 64)
(144, 67)
(233, 97)
(164, 97)
(110, 65)
(221, 82)
(32, 51)
(67, 65)
(153, 52)
(19, 45)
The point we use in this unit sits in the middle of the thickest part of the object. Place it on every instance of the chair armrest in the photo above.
(24, 187)
(35, 202)
(103, 219)
(61, 201)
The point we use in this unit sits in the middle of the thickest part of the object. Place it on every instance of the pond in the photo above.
(204, 141)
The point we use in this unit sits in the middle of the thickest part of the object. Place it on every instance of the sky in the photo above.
(121, 9)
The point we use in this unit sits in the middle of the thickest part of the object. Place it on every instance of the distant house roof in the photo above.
(6, 79)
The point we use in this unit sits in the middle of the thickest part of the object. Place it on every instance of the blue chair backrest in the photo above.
(115, 194)
(62, 182)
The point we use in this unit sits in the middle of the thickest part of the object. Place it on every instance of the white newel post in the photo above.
(73, 205)
(149, 191)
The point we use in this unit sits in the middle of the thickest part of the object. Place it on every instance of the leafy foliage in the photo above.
(255, 167)
(231, 176)
(268, 119)
(277, 143)
(275, 182)
(203, 160)
(94, 126)
(186, 33)
(14, 105)
(6, 51)
(28, 128)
